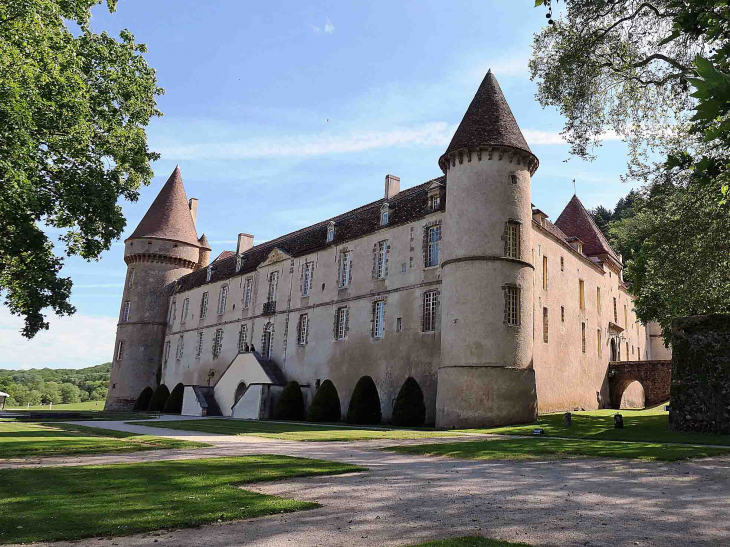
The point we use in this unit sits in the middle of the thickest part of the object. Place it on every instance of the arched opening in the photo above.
(633, 396)
(614, 351)
(267, 341)
(240, 390)
(174, 402)
(143, 401)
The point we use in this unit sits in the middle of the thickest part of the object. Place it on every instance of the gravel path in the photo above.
(406, 499)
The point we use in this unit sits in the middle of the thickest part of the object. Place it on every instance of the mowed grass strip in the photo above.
(296, 432)
(55, 503)
(650, 425)
(541, 448)
(470, 541)
(24, 440)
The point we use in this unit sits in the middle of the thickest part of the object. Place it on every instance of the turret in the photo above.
(486, 376)
(204, 257)
(162, 248)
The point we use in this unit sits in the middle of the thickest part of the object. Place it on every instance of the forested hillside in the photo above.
(42, 386)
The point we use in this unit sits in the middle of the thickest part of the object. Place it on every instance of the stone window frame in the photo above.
(268, 352)
(120, 350)
(273, 279)
(208, 274)
(204, 305)
(377, 324)
(180, 348)
(330, 231)
(222, 299)
(199, 345)
(303, 329)
(126, 308)
(380, 267)
(426, 244)
(217, 342)
(173, 312)
(341, 323)
(430, 324)
(582, 295)
(344, 261)
(385, 214)
(185, 310)
(512, 246)
(247, 288)
(306, 278)
(545, 325)
(242, 337)
(512, 303)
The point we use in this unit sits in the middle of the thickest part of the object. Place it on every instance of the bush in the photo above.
(409, 409)
(157, 403)
(174, 402)
(325, 406)
(291, 403)
(143, 401)
(364, 403)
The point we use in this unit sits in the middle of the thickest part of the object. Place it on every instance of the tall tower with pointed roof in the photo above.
(486, 375)
(162, 248)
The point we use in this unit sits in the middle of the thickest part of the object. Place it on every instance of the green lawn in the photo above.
(55, 503)
(650, 425)
(23, 440)
(296, 432)
(541, 448)
(88, 405)
(470, 541)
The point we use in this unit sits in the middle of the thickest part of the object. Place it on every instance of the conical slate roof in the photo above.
(203, 242)
(488, 121)
(575, 221)
(169, 215)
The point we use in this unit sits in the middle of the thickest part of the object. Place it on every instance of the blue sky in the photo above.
(282, 114)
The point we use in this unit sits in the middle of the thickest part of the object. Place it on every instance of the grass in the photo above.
(65, 503)
(23, 440)
(470, 541)
(296, 432)
(87, 405)
(649, 425)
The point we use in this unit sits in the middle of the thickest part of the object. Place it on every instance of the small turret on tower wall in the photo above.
(162, 248)
(487, 377)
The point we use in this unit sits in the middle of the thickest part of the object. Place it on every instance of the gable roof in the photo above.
(488, 121)
(407, 206)
(575, 221)
(169, 215)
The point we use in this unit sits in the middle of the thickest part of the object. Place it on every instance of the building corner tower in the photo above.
(486, 376)
(162, 248)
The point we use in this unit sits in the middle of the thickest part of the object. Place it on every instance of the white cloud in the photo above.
(71, 342)
(329, 28)
(429, 134)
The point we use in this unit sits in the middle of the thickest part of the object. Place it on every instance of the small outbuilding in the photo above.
(3, 396)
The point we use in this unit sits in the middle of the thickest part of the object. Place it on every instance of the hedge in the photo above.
(325, 406)
(409, 409)
(175, 400)
(291, 403)
(364, 404)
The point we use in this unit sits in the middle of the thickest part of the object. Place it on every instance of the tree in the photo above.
(364, 406)
(291, 403)
(73, 111)
(50, 393)
(409, 409)
(325, 406)
(70, 393)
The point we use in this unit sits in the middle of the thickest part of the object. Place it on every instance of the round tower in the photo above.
(163, 248)
(486, 376)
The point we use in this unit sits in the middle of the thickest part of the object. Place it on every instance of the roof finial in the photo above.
(575, 192)
(489, 71)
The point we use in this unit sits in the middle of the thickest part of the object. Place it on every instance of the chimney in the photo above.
(245, 242)
(193, 205)
(392, 186)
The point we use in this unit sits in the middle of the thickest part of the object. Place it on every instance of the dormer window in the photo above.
(384, 214)
(330, 232)
(434, 202)
(239, 259)
(208, 273)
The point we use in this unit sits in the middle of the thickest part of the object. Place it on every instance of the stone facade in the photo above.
(700, 392)
(458, 282)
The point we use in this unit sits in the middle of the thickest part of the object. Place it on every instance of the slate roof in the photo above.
(224, 254)
(169, 215)
(407, 206)
(203, 242)
(488, 121)
(575, 221)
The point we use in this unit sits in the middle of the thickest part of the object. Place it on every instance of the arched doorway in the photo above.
(614, 352)
(633, 396)
(267, 341)
(240, 390)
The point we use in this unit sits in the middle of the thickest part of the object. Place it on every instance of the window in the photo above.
(217, 342)
(179, 352)
(513, 240)
(562, 264)
(173, 313)
(267, 342)
(384, 218)
(615, 313)
(125, 311)
(167, 351)
(247, 287)
(239, 259)
(583, 336)
(545, 325)
(434, 202)
(273, 282)
(222, 297)
(638, 352)
(378, 318)
(345, 269)
(330, 232)
(626, 318)
(204, 305)
(598, 339)
(208, 273)
(382, 257)
(512, 311)
(342, 317)
(632, 350)
(399, 324)
(120, 350)
(199, 346)
(186, 306)
(434, 238)
(513, 179)
(544, 273)
(242, 338)
(627, 351)
(582, 294)
(307, 278)
(130, 282)
(598, 300)
(562, 314)
(302, 328)
(430, 310)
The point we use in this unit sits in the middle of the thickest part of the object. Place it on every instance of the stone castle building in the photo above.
(459, 282)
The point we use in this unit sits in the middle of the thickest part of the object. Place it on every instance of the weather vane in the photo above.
(574, 190)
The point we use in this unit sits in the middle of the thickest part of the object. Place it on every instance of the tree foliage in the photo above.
(34, 386)
(409, 409)
(291, 403)
(364, 406)
(325, 406)
(73, 110)
(159, 398)
(174, 402)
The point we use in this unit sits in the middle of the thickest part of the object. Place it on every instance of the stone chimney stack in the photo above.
(245, 242)
(193, 206)
(392, 186)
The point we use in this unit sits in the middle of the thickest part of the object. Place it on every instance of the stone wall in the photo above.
(700, 392)
(654, 376)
